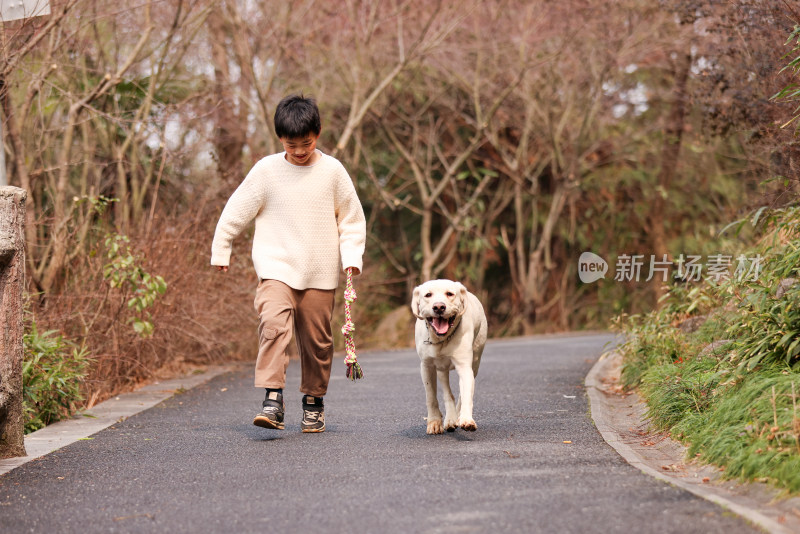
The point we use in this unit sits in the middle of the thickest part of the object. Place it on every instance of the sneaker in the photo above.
(271, 415)
(313, 414)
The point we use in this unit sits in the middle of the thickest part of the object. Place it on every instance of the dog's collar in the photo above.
(447, 338)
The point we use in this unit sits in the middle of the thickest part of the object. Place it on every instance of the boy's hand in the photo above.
(223, 268)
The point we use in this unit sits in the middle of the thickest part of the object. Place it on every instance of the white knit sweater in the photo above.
(308, 220)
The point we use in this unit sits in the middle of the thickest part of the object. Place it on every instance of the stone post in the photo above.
(12, 277)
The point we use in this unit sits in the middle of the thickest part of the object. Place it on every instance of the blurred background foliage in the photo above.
(490, 141)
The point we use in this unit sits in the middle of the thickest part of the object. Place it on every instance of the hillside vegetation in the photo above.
(719, 362)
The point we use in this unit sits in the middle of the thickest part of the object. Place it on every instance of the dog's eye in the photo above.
(450, 294)
(428, 295)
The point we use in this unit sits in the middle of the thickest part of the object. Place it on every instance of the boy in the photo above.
(308, 220)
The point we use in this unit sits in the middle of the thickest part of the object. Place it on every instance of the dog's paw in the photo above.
(435, 426)
(468, 424)
(450, 424)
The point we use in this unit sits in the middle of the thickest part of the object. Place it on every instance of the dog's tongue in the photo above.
(440, 325)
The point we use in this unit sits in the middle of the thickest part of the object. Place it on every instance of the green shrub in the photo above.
(767, 330)
(52, 375)
(791, 92)
(716, 327)
(651, 341)
(125, 273)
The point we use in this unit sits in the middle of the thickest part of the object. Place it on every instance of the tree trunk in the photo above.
(670, 151)
(229, 136)
(540, 264)
(12, 275)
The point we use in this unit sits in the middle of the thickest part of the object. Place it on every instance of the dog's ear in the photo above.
(415, 303)
(462, 297)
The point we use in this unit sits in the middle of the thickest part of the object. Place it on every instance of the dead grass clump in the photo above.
(203, 317)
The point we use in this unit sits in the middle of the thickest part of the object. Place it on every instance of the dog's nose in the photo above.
(439, 308)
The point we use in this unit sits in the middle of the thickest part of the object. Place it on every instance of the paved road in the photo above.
(194, 463)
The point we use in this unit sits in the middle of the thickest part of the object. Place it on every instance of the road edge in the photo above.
(600, 409)
(103, 415)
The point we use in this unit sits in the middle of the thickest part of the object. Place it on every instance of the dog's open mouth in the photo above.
(441, 325)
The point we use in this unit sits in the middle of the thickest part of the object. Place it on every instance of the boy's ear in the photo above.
(415, 303)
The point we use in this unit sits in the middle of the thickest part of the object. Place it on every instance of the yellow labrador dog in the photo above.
(450, 333)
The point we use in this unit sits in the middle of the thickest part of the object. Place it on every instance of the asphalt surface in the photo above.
(195, 463)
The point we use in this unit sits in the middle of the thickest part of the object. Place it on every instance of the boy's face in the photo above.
(300, 151)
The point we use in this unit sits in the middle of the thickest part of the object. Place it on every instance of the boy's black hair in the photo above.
(297, 116)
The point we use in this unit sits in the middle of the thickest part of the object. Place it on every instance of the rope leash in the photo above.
(354, 371)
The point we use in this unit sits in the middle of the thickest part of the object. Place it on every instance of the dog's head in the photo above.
(440, 303)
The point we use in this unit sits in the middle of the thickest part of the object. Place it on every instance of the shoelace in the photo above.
(311, 417)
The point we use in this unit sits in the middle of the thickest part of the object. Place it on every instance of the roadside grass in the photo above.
(718, 365)
(753, 431)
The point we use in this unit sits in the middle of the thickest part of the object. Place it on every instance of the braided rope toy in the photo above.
(354, 371)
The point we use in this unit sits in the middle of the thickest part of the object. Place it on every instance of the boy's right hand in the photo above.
(223, 268)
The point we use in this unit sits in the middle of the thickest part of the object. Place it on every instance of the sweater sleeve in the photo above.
(351, 222)
(241, 208)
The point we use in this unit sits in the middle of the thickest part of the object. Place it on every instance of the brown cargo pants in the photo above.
(282, 310)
